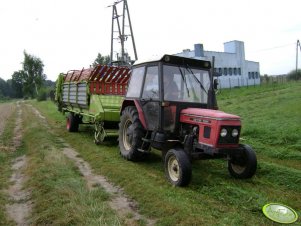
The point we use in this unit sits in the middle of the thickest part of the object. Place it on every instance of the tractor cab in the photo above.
(164, 87)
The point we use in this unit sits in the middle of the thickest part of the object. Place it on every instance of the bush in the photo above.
(42, 95)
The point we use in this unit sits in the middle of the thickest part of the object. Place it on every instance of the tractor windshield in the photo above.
(185, 84)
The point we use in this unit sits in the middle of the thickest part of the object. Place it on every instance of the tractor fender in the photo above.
(135, 103)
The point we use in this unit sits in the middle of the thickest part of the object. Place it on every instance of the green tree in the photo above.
(4, 88)
(11, 91)
(103, 60)
(33, 76)
(2, 83)
(17, 83)
(294, 76)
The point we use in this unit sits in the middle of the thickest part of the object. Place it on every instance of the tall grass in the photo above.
(271, 119)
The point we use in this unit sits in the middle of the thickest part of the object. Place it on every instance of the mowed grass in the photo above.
(271, 124)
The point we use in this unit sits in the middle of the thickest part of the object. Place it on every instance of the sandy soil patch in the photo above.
(20, 205)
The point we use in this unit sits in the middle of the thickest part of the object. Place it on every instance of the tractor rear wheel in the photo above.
(72, 122)
(245, 165)
(177, 167)
(131, 133)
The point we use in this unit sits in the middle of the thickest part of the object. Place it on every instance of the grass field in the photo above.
(271, 124)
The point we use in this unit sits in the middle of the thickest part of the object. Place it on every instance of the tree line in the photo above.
(31, 82)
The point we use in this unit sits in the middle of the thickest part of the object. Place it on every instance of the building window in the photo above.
(249, 75)
(220, 70)
(235, 71)
(257, 74)
(225, 71)
(239, 71)
(253, 76)
(230, 71)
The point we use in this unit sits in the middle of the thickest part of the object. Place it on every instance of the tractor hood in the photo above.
(210, 124)
(209, 114)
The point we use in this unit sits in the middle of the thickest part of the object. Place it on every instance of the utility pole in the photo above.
(298, 45)
(123, 58)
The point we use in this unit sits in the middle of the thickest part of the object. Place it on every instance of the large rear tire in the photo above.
(245, 165)
(72, 122)
(131, 133)
(177, 167)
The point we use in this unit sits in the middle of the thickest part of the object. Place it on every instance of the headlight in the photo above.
(234, 133)
(223, 132)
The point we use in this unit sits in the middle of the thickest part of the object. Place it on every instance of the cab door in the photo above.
(150, 98)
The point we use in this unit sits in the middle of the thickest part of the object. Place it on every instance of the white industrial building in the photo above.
(235, 70)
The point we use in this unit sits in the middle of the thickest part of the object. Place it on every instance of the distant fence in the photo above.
(230, 83)
(280, 79)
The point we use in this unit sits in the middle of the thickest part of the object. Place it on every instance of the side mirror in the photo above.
(215, 84)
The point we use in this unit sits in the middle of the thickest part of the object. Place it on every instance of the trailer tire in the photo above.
(131, 133)
(245, 165)
(177, 167)
(72, 122)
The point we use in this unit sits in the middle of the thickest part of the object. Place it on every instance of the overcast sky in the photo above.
(68, 34)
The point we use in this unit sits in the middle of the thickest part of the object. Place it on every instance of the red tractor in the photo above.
(170, 105)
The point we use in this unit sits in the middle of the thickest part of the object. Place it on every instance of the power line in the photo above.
(275, 47)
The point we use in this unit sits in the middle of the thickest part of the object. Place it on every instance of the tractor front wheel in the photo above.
(72, 122)
(131, 133)
(177, 167)
(243, 166)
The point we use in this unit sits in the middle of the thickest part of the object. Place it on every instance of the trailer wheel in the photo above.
(177, 167)
(72, 122)
(245, 165)
(130, 135)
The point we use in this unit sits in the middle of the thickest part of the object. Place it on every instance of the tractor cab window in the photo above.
(185, 84)
(151, 84)
(136, 82)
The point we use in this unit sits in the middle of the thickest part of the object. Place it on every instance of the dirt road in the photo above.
(19, 207)
(20, 203)
(5, 112)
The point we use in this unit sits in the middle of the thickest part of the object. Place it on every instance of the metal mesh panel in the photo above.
(75, 94)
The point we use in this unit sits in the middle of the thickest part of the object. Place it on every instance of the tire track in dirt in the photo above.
(119, 202)
(6, 110)
(20, 206)
(17, 139)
